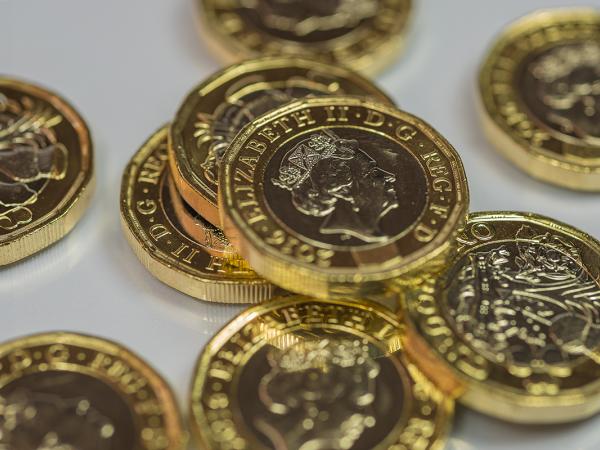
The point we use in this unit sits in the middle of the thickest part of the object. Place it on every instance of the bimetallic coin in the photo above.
(214, 112)
(204, 269)
(517, 318)
(336, 196)
(366, 35)
(297, 373)
(68, 391)
(540, 90)
(46, 169)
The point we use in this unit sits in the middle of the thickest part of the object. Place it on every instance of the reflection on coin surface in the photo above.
(46, 173)
(214, 112)
(366, 35)
(333, 196)
(194, 225)
(204, 269)
(64, 391)
(540, 88)
(297, 373)
(518, 318)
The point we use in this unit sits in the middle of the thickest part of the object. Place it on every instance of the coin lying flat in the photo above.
(68, 391)
(298, 373)
(540, 90)
(158, 238)
(46, 169)
(517, 318)
(214, 112)
(336, 196)
(363, 34)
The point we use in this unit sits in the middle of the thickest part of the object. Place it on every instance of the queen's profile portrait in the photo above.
(320, 395)
(334, 179)
(567, 82)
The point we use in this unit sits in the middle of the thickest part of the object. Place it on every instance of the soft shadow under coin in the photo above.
(55, 261)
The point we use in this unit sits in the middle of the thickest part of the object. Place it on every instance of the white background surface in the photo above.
(126, 65)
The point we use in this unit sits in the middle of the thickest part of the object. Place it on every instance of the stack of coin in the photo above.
(285, 175)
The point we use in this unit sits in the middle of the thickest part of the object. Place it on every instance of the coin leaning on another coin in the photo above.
(215, 111)
(338, 196)
(517, 318)
(301, 371)
(66, 390)
(540, 93)
(158, 238)
(366, 35)
(46, 169)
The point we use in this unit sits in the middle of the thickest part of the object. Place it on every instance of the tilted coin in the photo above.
(46, 169)
(214, 112)
(540, 90)
(158, 238)
(366, 35)
(69, 391)
(336, 196)
(297, 373)
(517, 318)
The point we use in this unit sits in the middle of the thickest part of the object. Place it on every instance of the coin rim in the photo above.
(52, 227)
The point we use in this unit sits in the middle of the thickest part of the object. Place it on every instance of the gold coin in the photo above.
(366, 35)
(300, 373)
(517, 318)
(46, 169)
(337, 196)
(67, 391)
(158, 238)
(214, 112)
(540, 90)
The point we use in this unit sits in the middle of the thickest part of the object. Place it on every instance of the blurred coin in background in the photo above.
(365, 35)
(46, 169)
(540, 91)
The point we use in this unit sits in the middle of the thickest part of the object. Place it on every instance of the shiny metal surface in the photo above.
(129, 83)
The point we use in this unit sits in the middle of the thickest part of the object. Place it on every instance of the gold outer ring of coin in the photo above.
(136, 386)
(367, 46)
(239, 386)
(543, 280)
(524, 126)
(340, 196)
(195, 226)
(202, 126)
(159, 241)
(45, 189)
